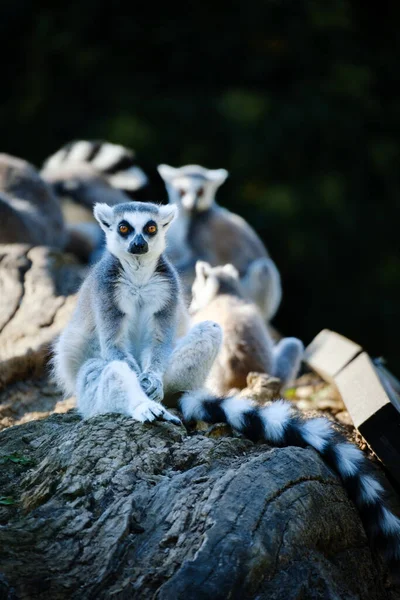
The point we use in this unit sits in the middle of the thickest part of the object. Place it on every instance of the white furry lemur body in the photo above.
(125, 346)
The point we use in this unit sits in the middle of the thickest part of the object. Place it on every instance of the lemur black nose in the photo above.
(139, 245)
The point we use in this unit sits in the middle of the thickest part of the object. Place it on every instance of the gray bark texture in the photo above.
(110, 508)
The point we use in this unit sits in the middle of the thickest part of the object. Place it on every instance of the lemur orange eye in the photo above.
(124, 228)
(181, 192)
(200, 192)
(150, 228)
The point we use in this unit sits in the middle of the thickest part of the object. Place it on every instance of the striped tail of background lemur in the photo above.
(87, 172)
(218, 295)
(126, 345)
(205, 231)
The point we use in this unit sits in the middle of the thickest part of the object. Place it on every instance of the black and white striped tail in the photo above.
(115, 162)
(280, 425)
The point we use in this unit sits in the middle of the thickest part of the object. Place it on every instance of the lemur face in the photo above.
(210, 282)
(134, 229)
(192, 188)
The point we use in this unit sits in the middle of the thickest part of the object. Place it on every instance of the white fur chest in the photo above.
(139, 301)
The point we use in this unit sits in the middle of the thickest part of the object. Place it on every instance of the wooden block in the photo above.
(371, 410)
(329, 353)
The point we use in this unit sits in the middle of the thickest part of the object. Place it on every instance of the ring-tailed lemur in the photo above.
(280, 425)
(94, 171)
(247, 345)
(120, 351)
(29, 211)
(206, 231)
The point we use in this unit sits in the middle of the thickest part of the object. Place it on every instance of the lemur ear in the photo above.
(104, 215)
(167, 213)
(202, 269)
(231, 270)
(167, 173)
(217, 176)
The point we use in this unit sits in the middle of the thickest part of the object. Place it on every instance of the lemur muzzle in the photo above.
(139, 245)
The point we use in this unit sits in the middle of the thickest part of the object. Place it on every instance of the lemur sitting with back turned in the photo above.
(247, 346)
(120, 351)
(206, 231)
(87, 171)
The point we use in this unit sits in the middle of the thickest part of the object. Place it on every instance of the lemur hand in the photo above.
(152, 386)
(151, 411)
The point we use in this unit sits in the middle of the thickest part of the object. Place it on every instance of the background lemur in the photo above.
(124, 332)
(247, 346)
(29, 211)
(279, 425)
(206, 231)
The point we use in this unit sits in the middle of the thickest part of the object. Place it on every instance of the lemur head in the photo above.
(192, 187)
(211, 282)
(135, 229)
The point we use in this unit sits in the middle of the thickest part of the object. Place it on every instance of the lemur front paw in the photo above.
(152, 386)
(150, 411)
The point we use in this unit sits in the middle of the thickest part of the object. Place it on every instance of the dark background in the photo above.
(298, 100)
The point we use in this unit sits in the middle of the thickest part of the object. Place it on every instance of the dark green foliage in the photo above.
(16, 459)
(6, 500)
(299, 100)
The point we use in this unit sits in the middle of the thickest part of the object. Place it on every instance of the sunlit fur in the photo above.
(130, 312)
(204, 230)
(218, 295)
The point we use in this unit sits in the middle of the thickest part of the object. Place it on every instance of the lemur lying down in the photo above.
(121, 350)
(247, 345)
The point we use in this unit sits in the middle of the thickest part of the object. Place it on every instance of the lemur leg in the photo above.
(192, 358)
(262, 283)
(70, 352)
(288, 354)
(112, 387)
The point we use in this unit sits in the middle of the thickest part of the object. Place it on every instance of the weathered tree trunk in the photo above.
(37, 287)
(110, 508)
(35, 303)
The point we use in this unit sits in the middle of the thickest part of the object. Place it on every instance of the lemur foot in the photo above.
(152, 386)
(149, 410)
